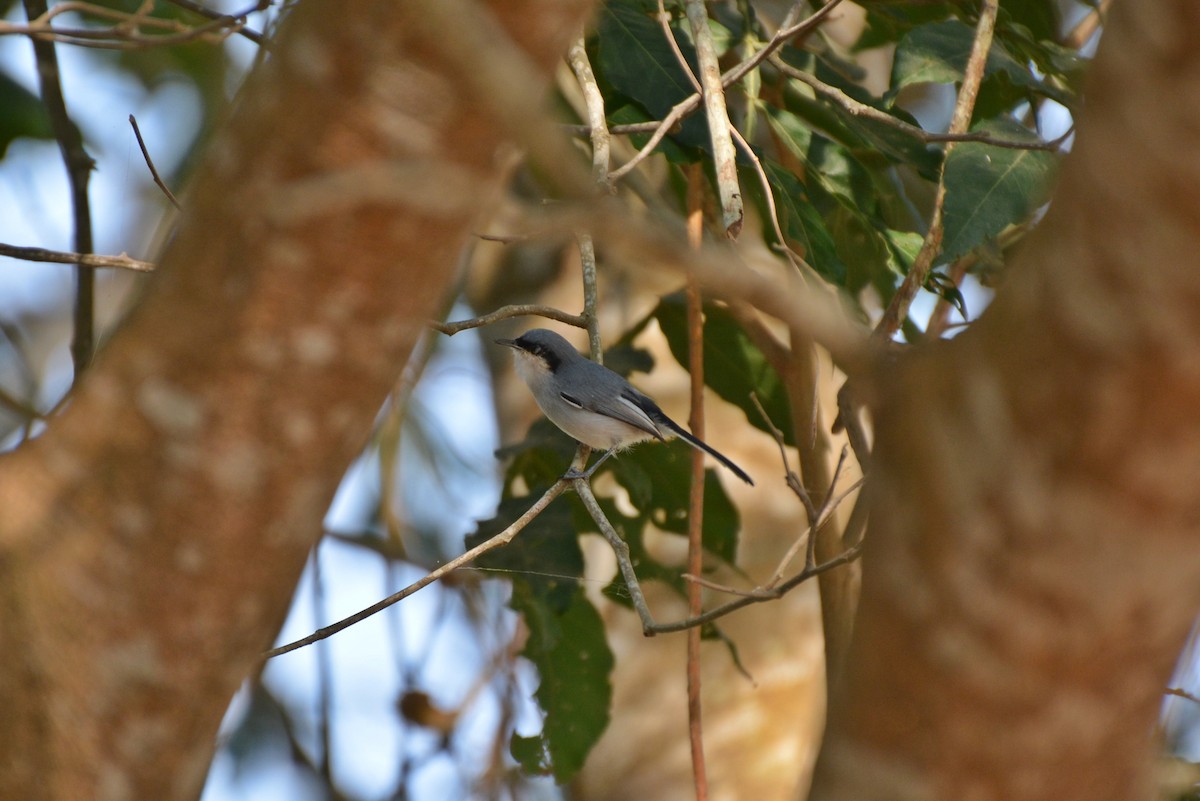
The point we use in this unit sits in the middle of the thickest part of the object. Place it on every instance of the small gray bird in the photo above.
(592, 403)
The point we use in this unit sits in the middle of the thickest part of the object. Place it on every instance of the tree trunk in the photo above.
(1032, 569)
(151, 538)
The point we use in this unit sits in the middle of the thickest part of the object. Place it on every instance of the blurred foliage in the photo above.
(852, 195)
(206, 67)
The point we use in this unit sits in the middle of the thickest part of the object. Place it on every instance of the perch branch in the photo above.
(82, 259)
(503, 538)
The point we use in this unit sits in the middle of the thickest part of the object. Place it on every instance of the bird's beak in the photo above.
(508, 343)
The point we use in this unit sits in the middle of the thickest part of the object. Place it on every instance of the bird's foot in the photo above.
(574, 473)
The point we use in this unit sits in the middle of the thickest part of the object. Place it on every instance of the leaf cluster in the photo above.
(840, 175)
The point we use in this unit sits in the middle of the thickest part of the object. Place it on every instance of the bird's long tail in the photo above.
(687, 437)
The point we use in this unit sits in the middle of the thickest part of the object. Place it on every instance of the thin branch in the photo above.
(79, 167)
(859, 109)
(1181, 693)
(587, 260)
(601, 159)
(784, 34)
(724, 156)
(844, 558)
(1087, 26)
(324, 764)
(798, 261)
(626, 128)
(503, 538)
(508, 312)
(621, 549)
(594, 101)
(797, 487)
(122, 261)
(227, 19)
(897, 310)
(504, 239)
(150, 163)
(625, 565)
(126, 33)
(692, 102)
(695, 327)
(388, 437)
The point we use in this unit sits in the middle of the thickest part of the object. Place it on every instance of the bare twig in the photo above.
(126, 32)
(503, 538)
(508, 312)
(1087, 26)
(844, 558)
(695, 326)
(79, 170)
(627, 128)
(150, 163)
(231, 21)
(649, 627)
(601, 158)
(897, 310)
(324, 673)
(504, 239)
(798, 261)
(784, 34)
(82, 259)
(1181, 693)
(724, 156)
(692, 102)
(621, 550)
(587, 259)
(594, 101)
(858, 109)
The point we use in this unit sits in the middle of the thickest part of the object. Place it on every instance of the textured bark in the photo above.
(1032, 569)
(151, 538)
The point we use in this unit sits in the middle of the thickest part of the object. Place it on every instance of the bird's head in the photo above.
(539, 352)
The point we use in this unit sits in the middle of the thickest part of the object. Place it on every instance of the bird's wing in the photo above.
(630, 407)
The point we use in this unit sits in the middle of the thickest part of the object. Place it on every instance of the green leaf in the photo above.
(1040, 17)
(543, 456)
(904, 247)
(887, 21)
(791, 131)
(574, 662)
(801, 222)
(989, 188)
(632, 530)
(21, 114)
(657, 477)
(859, 243)
(733, 366)
(872, 143)
(635, 58)
(545, 557)
(938, 53)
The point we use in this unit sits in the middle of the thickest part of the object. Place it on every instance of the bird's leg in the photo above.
(572, 473)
